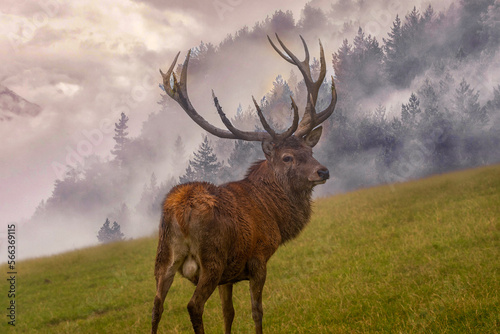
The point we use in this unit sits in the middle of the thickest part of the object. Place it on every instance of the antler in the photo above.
(178, 92)
(311, 119)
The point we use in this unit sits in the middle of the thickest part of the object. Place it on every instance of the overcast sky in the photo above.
(84, 62)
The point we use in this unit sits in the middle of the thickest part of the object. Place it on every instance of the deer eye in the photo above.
(287, 158)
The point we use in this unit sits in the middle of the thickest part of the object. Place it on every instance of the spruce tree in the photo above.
(204, 166)
(342, 64)
(394, 52)
(179, 154)
(189, 175)
(493, 105)
(412, 26)
(410, 110)
(109, 233)
(367, 63)
(278, 100)
(466, 104)
(242, 154)
(121, 138)
(116, 232)
(149, 193)
(428, 14)
(429, 99)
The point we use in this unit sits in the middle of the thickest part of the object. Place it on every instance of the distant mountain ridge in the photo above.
(11, 104)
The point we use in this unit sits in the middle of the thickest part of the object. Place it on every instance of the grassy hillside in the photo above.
(419, 257)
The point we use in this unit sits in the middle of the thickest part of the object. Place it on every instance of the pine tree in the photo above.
(429, 99)
(394, 52)
(116, 232)
(278, 100)
(428, 14)
(239, 110)
(380, 115)
(121, 138)
(282, 21)
(410, 110)
(109, 233)
(493, 105)
(189, 175)
(204, 166)
(201, 55)
(466, 104)
(491, 26)
(359, 44)
(342, 64)
(179, 151)
(412, 28)
(312, 18)
(149, 193)
(367, 63)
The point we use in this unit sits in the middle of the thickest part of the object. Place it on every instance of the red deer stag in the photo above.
(220, 235)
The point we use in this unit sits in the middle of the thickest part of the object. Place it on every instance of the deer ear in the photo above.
(313, 137)
(268, 147)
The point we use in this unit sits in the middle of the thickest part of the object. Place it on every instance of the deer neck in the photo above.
(290, 208)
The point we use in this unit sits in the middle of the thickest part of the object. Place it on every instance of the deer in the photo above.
(216, 236)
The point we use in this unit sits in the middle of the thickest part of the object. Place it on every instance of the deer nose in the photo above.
(324, 173)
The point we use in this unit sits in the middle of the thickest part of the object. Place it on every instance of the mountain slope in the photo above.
(414, 257)
(12, 105)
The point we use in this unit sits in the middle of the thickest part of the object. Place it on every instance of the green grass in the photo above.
(418, 257)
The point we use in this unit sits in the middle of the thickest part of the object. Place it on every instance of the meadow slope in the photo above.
(418, 257)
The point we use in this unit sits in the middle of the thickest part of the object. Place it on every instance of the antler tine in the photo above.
(311, 119)
(179, 94)
(322, 72)
(295, 122)
(302, 65)
(166, 77)
(279, 51)
(306, 60)
(267, 127)
(250, 136)
(288, 52)
(263, 120)
(183, 82)
(322, 116)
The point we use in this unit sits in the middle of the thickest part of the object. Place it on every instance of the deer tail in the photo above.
(163, 252)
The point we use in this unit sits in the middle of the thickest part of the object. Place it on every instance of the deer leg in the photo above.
(164, 280)
(257, 281)
(206, 285)
(226, 296)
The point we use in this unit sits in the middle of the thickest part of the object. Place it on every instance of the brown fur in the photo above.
(220, 235)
